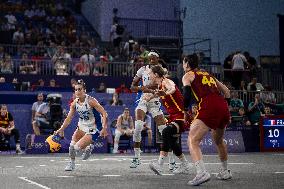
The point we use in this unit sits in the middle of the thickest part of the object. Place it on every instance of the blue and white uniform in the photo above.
(90, 120)
(154, 105)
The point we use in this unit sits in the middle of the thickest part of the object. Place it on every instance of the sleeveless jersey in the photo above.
(125, 124)
(85, 111)
(204, 85)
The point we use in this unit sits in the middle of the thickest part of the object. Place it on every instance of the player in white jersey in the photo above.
(87, 131)
(142, 106)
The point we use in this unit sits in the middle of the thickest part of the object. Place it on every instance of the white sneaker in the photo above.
(88, 152)
(19, 151)
(224, 175)
(134, 163)
(70, 166)
(173, 166)
(154, 166)
(184, 168)
(200, 178)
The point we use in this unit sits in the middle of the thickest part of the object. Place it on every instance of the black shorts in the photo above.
(116, 42)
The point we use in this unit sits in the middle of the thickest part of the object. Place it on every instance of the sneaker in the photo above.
(134, 163)
(154, 166)
(224, 175)
(184, 168)
(70, 166)
(19, 152)
(200, 178)
(172, 166)
(88, 152)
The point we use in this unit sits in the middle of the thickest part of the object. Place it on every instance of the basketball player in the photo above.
(153, 106)
(87, 131)
(172, 100)
(213, 114)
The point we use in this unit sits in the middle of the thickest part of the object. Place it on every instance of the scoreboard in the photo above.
(272, 133)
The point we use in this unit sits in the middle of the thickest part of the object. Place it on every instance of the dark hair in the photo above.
(163, 63)
(81, 82)
(157, 69)
(192, 60)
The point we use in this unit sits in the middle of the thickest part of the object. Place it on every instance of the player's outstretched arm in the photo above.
(67, 120)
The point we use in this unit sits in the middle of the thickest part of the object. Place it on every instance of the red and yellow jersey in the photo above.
(5, 120)
(203, 85)
(174, 104)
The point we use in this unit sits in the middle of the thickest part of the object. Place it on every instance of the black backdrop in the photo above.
(281, 40)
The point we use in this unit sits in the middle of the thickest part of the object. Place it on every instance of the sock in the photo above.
(224, 165)
(200, 167)
(171, 157)
(115, 147)
(137, 152)
(183, 159)
(161, 160)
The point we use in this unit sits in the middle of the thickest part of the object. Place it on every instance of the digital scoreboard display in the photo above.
(272, 133)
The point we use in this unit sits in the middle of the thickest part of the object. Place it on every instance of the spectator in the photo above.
(115, 100)
(62, 61)
(116, 36)
(235, 104)
(124, 126)
(73, 82)
(39, 83)
(12, 21)
(2, 80)
(267, 111)
(7, 127)
(238, 66)
(6, 65)
(128, 47)
(88, 59)
(144, 54)
(122, 89)
(134, 56)
(244, 118)
(254, 85)
(251, 63)
(18, 36)
(267, 96)
(256, 109)
(36, 105)
(102, 66)
(102, 88)
(82, 68)
(243, 86)
(52, 83)
(26, 65)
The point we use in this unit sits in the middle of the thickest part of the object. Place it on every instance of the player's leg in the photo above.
(117, 136)
(78, 134)
(218, 136)
(149, 134)
(197, 131)
(139, 123)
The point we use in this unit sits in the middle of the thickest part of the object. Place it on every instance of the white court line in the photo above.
(111, 175)
(168, 174)
(52, 160)
(231, 163)
(19, 166)
(279, 172)
(35, 183)
(42, 165)
(65, 176)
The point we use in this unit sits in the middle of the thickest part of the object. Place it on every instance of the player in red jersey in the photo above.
(213, 113)
(172, 100)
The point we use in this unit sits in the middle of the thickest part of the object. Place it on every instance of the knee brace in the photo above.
(117, 135)
(137, 131)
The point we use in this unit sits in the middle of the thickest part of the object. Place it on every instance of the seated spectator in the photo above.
(82, 68)
(256, 109)
(244, 118)
(102, 88)
(52, 83)
(42, 117)
(147, 129)
(267, 111)
(243, 86)
(36, 105)
(39, 83)
(6, 66)
(122, 89)
(267, 96)
(7, 127)
(254, 85)
(26, 65)
(235, 104)
(124, 126)
(2, 80)
(115, 100)
(88, 59)
(61, 61)
(12, 21)
(18, 36)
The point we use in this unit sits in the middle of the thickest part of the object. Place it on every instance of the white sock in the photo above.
(200, 167)
(183, 159)
(18, 147)
(171, 157)
(161, 160)
(115, 147)
(224, 165)
(137, 152)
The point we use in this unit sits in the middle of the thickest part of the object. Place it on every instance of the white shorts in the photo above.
(88, 129)
(153, 107)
